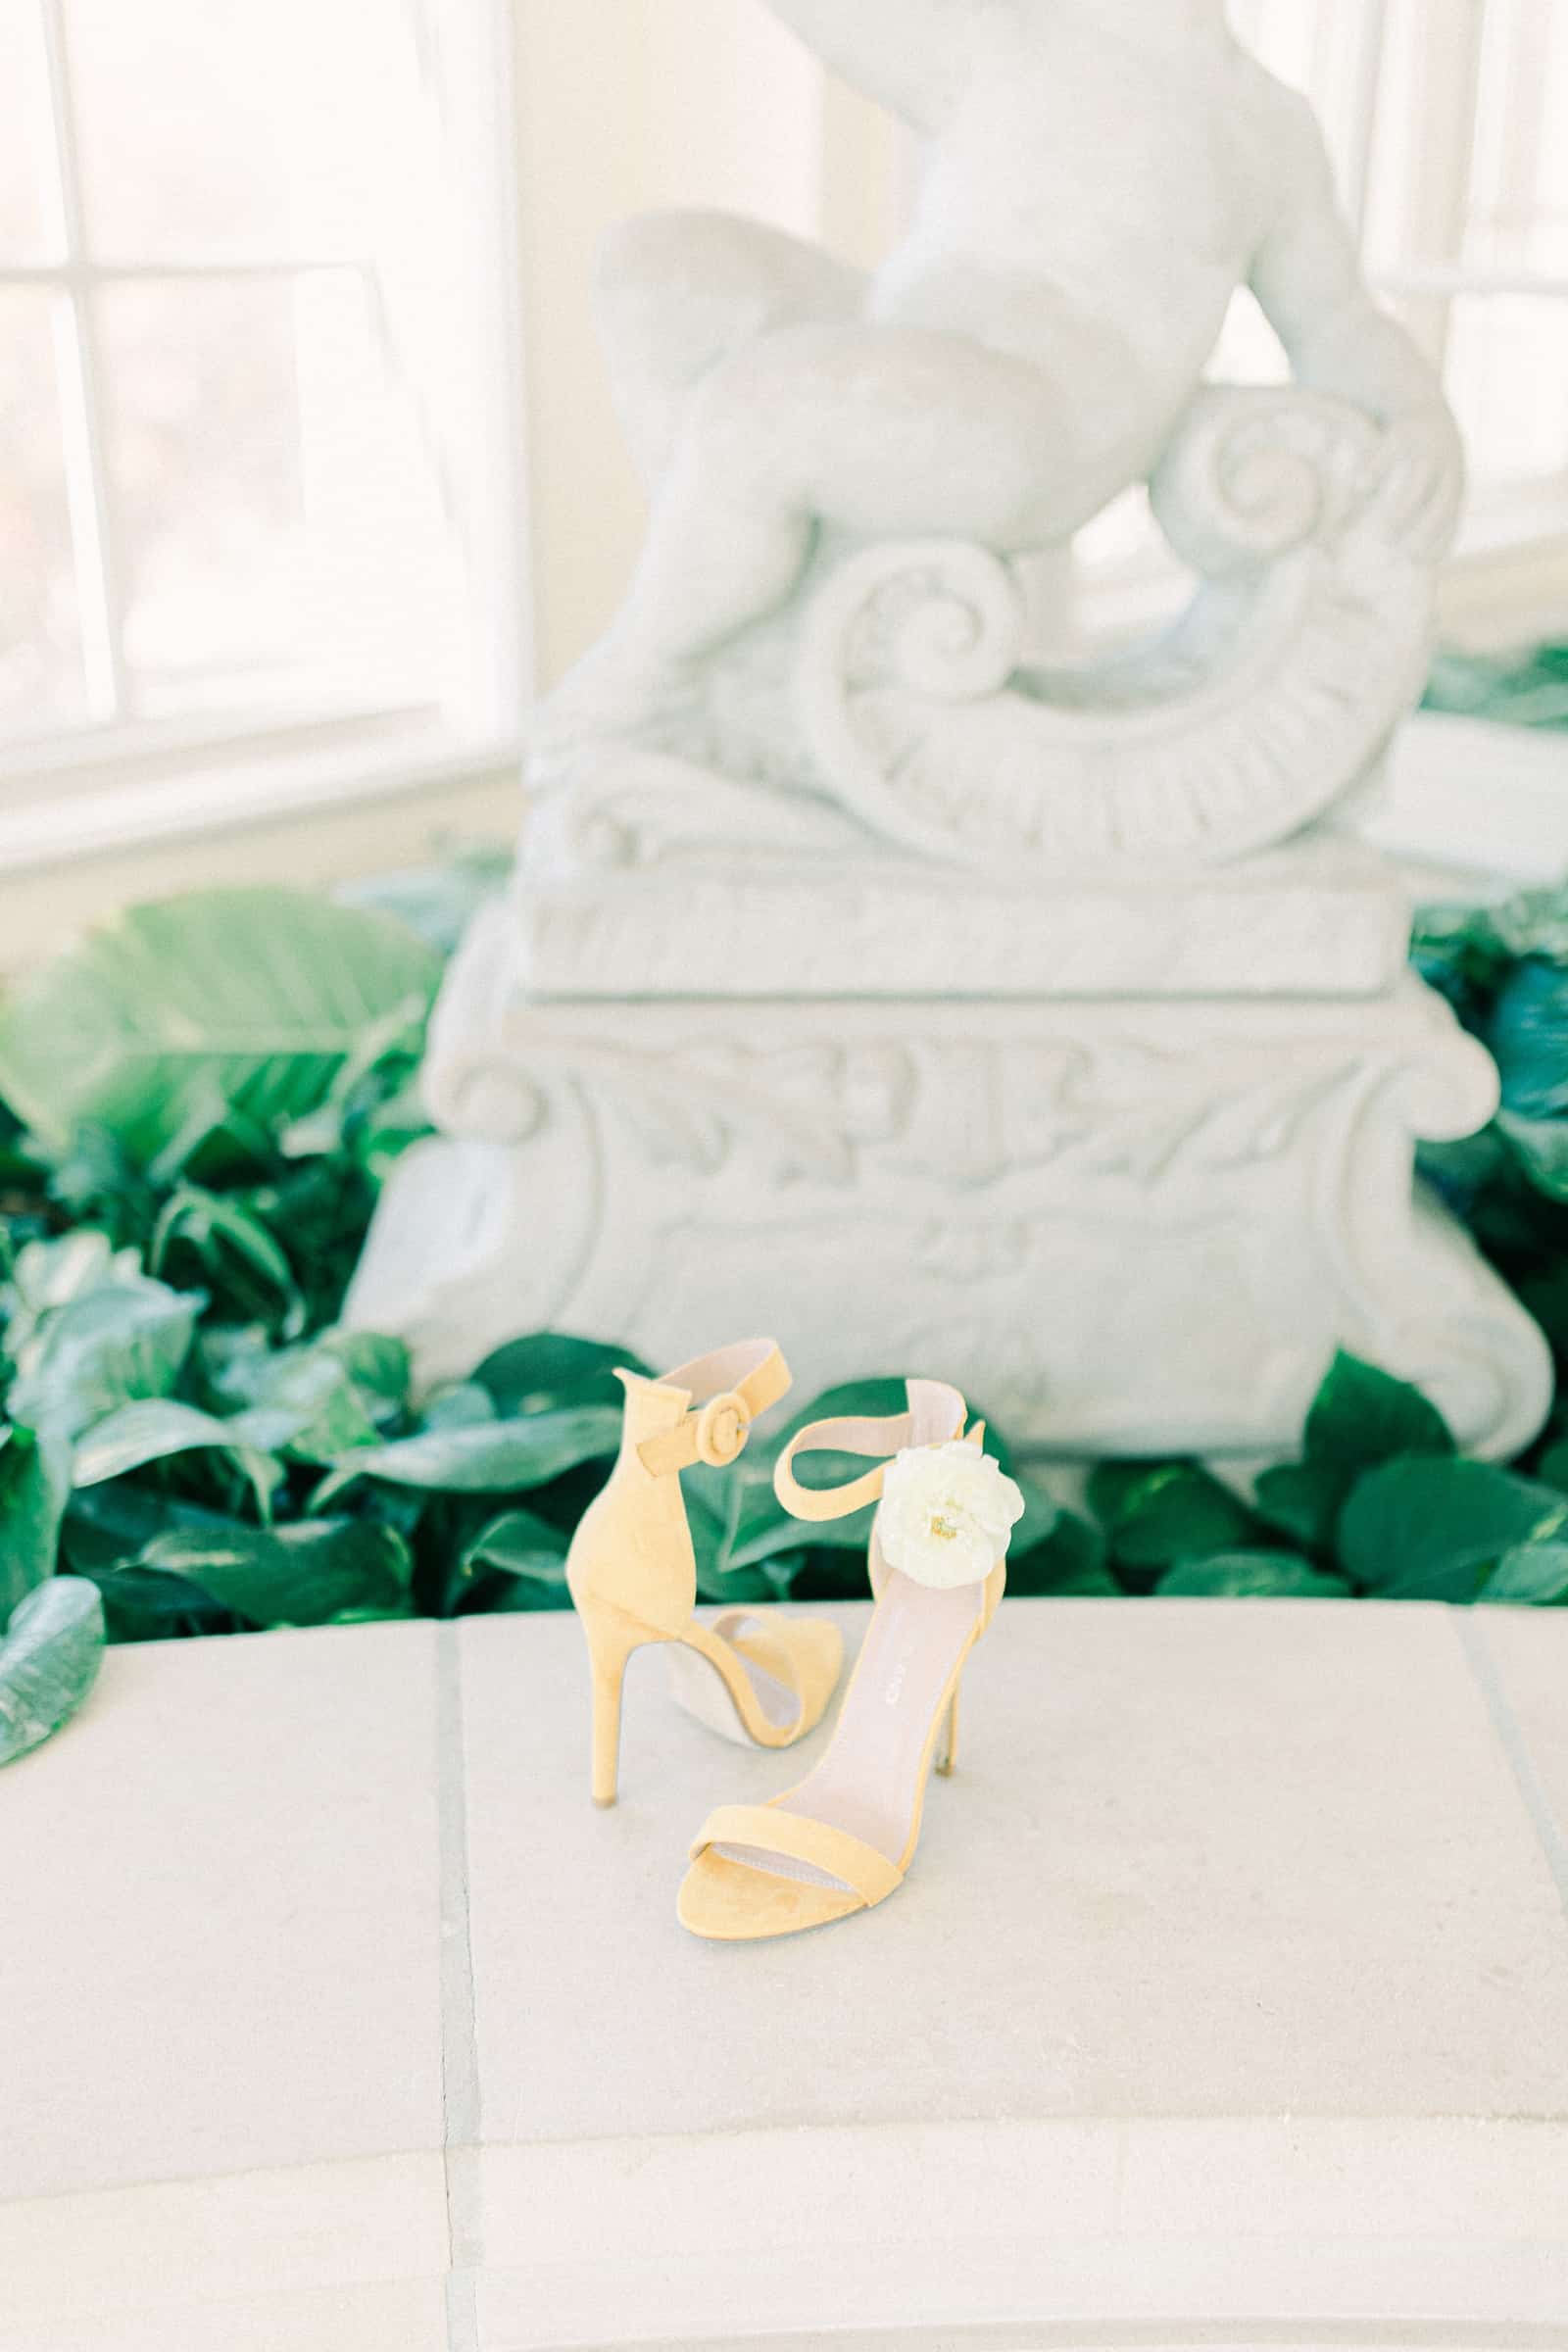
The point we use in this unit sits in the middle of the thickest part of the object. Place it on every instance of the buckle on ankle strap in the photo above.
(724, 1427)
(715, 1433)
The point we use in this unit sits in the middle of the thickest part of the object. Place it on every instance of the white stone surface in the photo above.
(1532, 1700)
(378, 2319)
(1326, 921)
(1223, 2005)
(206, 1928)
(1193, 2023)
(221, 2071)
(1218, 1942)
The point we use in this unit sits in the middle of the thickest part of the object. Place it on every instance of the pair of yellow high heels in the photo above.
(843, 1840)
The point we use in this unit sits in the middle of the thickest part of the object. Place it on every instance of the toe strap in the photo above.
(772, 1831)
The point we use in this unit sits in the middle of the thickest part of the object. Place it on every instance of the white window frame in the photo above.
(119, 782)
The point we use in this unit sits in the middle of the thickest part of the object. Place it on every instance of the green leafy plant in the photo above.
(197, 1106)
(1380, 1506)
(1528, 689)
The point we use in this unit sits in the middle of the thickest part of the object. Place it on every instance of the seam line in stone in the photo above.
(1516, 1748)
(460, 2054)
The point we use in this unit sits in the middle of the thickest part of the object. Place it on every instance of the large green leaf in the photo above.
(1426, 1530)
(1157, 1514)
(755, 1526)
(1251, 1576)
(1536, 1575)
(1541, 1148)
(48, 1275)
(462, 1406)
(323, 1572)
(379, 1366)
(1362, 1416)
(547, 1371)
(143, 1604)
(1529, 1039)
(491, 1457)
(35, 1483)
(1043, 1515)
(339, 1390)
(520, 1543)
(224, 1008)
(49, 1661)
(1304, 1500)
(1535, 923)
(528, 1554)
(212, 1226)
(1518, 689)
(1069, 1565)
(139, 1433)
(107, 1527)
(120, 1344)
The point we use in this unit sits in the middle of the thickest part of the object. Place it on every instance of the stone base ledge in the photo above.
(1099, 2231)
(1323, 921)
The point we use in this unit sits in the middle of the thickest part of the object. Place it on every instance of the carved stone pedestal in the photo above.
(1122, 1225)
(942, 1015)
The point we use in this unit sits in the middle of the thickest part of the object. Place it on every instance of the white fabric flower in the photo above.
(947, 1514)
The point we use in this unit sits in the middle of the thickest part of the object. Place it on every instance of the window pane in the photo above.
(1519, 207)
(229, 128)
(27, 163)
(1508, 375)
(280, 533)
(42, 684)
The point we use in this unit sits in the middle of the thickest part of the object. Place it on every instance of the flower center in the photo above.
(943, 1528)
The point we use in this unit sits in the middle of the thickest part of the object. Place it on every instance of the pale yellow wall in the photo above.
(41, 910)
(630, 105)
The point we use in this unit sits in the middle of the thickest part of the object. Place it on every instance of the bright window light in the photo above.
(250, 382)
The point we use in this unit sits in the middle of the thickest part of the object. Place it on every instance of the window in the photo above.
(1449, 122)
(255, 477)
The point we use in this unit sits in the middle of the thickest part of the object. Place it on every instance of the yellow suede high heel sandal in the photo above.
(633, 1573)
(843, 1840)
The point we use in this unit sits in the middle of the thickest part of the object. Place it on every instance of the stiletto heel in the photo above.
(948, 1744)
(844, 1840)
(632, 1570)
(611, 1640)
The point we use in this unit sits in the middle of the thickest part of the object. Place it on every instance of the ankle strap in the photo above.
(725, 1392)
(935, 1416)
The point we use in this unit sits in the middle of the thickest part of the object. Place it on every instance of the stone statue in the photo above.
(1046, 1027)
(1105, 174)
